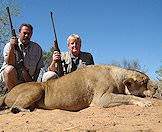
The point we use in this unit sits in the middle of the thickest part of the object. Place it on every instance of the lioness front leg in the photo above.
(110, 99)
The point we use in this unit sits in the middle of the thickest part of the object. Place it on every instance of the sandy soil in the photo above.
(120, 118)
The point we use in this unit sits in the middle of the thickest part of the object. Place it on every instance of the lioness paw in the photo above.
(16, 110)
(143, 103)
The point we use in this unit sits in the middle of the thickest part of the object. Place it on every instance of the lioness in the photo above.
(99, 85)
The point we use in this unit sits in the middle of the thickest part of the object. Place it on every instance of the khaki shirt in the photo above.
(32, 57)
(71, 63)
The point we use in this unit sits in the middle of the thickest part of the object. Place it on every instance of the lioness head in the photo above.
(142, 89)
(135, 87)
(139, 84)
(152, 87)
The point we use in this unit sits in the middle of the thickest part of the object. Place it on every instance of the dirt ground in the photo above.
(120, 118)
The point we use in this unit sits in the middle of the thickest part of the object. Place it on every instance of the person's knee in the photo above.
(49, 75)
(9, 75)
(9, 70)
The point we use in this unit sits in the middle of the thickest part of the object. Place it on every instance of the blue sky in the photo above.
(112, 30)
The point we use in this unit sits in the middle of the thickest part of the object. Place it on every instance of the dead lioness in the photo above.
(98, 85)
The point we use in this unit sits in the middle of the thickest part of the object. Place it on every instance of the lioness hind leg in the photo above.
(110, 99)
(24, 100)
(2, 100)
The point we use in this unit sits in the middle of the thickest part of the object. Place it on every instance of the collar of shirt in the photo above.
(21, 46)
(72, 56)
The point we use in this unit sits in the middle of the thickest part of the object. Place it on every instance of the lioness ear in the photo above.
(128, 82)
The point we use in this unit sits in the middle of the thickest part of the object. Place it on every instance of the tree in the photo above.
(129, 64)
(47, 57)
(5, 27)
(4, 21)
(159, 73)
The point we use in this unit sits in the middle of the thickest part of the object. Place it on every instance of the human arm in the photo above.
(87, 58)
(91, 59)
(9, 51)
(55, 58)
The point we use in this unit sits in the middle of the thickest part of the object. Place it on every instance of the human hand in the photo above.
(56, 56)
(14, 41)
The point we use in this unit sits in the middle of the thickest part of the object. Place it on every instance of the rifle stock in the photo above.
(56, 48)
(20, 64)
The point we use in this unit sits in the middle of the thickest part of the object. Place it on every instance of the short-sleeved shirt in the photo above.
(32, 56)
(71, 63)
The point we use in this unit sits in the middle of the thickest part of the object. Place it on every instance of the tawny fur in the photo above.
(99, 85)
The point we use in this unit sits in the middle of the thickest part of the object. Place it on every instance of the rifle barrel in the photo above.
(11, 26)
(53, 25)
(56, 48)
(8, 11)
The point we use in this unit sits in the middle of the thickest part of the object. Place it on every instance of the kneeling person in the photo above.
(71, 60)
(22, 59)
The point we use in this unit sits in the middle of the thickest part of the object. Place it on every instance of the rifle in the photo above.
(56, 48)
(21, 69)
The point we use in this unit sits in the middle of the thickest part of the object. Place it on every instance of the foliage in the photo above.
(159, 72)
(4, 25)
(4, 20)
(1, 59)
(47, 57)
